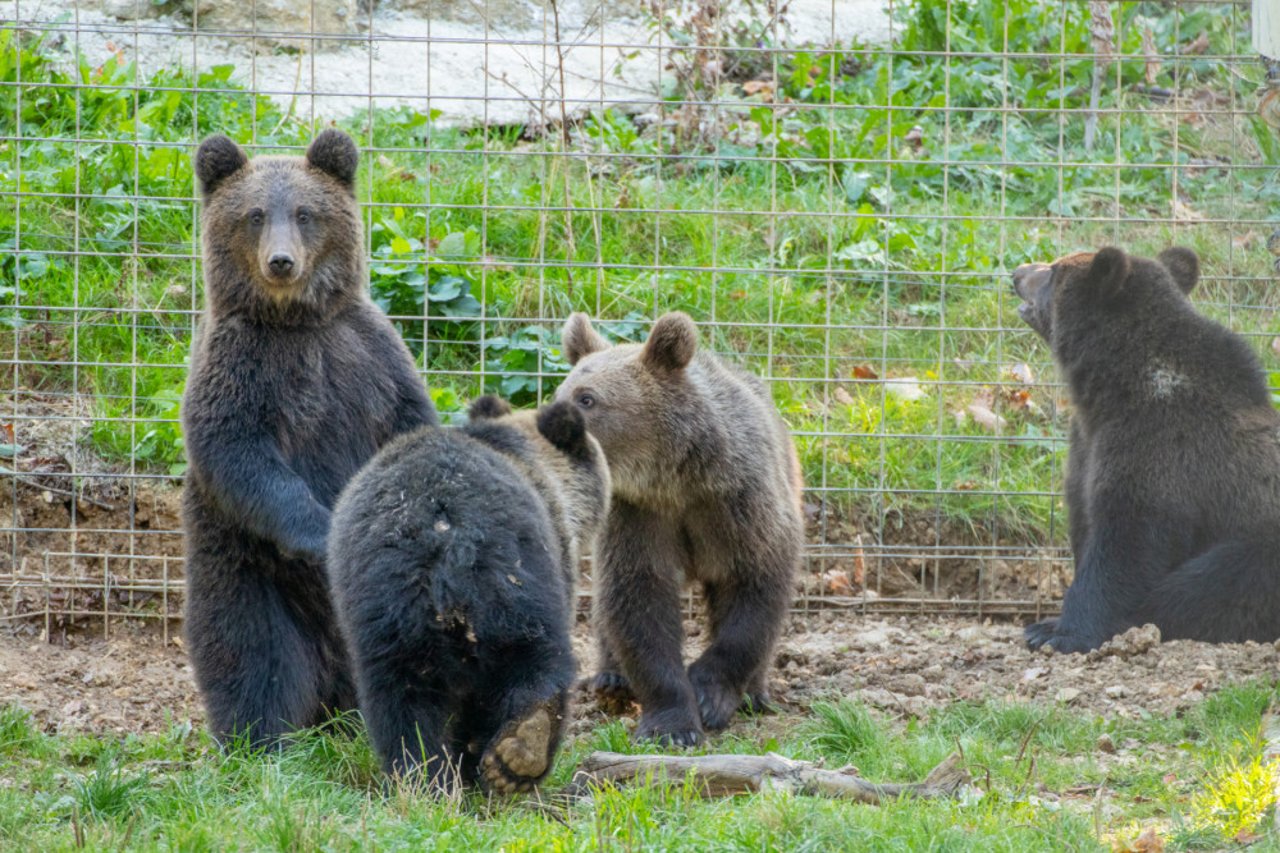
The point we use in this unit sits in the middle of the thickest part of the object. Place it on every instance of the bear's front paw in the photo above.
(717, 701)
(521, 753)
(672, 727)
(613, 692)
(1049, 633)
(1039, 633)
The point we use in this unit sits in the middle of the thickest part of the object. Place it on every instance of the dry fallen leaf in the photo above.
(1244, 241)
(752, 87)
(1151, 54)
(842, 396)
(986, 418)
(1197, 46)
(907, 388)
(836, 582)
(864, 371)
(1185, 212)
(1017, 398)
(1022, 372)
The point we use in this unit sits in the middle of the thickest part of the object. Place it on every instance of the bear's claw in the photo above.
(613, 692)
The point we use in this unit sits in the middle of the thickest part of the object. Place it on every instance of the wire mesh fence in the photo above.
(835, 190)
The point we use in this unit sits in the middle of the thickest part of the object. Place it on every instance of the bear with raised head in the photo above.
(453, 558)
(296, 380)
(706, 488)
(1173, 469)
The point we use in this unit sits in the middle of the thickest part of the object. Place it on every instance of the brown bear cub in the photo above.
(1173, 472)
(296, 380)
(706, 487)
(452, 559)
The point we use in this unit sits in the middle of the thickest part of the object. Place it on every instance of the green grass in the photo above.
(814, 240)
(1197, 778)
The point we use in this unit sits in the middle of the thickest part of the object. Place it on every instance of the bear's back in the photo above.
(441, 511)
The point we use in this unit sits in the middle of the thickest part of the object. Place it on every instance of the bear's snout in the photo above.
(1026, 281)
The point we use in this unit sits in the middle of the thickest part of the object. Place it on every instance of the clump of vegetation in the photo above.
(847, 230)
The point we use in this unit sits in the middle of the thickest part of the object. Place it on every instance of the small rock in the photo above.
(1066, 695)
(1106, 744)
(910, 684)
(1116, 691)
(875, 638)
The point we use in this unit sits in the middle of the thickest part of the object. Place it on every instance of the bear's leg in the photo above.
(1228, 594)
(638, 613)
(520, 709)
(1116, 572)
(613, 692)
(745, 616)
(406, 721)
(260, 669)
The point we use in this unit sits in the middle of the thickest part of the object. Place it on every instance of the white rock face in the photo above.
(487, 61)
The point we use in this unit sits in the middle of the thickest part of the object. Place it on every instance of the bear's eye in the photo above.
(586, 400)
(256, 217)
(304, 216)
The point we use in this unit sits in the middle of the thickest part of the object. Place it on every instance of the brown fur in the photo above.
(705, 488)
(296, 380)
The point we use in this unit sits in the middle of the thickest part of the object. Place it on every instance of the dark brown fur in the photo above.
(296, 380)
(1173, 476)
(706, 487)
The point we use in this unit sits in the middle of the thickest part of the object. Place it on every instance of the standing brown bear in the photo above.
(296, 380)
(1173, 472)
(706, 487)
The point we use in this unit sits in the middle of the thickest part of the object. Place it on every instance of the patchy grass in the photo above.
(1196, 780)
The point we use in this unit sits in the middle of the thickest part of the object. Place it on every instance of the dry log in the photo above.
(726, 775)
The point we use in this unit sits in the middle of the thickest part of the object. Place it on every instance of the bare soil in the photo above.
(135, 681)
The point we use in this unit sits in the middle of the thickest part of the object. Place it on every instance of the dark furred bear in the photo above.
(296, 380)
(453, 558)
(706, 487)
(1173, 474)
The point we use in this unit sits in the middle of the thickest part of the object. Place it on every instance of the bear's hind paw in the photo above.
(521, 753)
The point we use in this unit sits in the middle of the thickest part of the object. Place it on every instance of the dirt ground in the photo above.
(906, 666)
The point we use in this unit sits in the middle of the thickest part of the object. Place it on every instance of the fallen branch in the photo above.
(726, 775)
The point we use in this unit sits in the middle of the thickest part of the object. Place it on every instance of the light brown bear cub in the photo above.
(706, 487)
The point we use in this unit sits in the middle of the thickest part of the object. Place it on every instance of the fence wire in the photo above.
(836, 190)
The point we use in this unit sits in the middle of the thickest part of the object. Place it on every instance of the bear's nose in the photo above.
(280, 264)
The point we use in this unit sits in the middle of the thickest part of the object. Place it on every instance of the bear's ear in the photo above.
(1183, 265)
(488, 407)
(562, 425)
(579, 339)
(333, 152)
(217, 159)
(1108, 271)
(672, 342)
